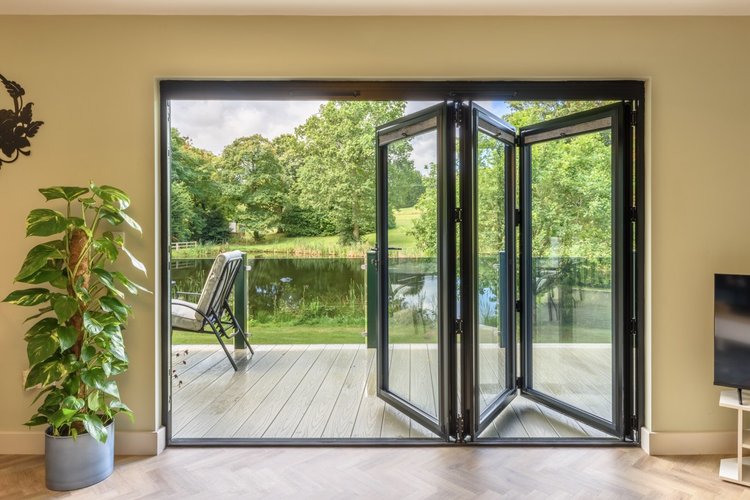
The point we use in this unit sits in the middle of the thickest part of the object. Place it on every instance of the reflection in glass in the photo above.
(412, 327)
(572, 270)
(492, 287)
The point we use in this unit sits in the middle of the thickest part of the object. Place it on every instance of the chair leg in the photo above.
(238, 328)
(223, 346)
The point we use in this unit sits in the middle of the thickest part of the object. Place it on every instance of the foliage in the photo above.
(76, 345)
(252, 184)
(201, 213)
(336, 176)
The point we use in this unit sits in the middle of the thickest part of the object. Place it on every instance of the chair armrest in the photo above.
(186, 293)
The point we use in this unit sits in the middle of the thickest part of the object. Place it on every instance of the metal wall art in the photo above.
(16, 126)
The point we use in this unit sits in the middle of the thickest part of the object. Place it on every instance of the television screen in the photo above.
(732, 330)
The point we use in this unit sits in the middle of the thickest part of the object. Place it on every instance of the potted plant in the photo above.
(75, 344)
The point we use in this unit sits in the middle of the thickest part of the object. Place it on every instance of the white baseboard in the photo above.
(688, 443)
(126, 442)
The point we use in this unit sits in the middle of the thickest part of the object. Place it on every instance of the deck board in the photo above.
(330, 391)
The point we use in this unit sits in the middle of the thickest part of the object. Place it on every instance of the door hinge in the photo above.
(634, 430)
(519, 382)
(518, 217)
(459, 326)
(633, 214)
(519, 306)
(634, 332)
(459, 114)
(458, 215)
(633, 117)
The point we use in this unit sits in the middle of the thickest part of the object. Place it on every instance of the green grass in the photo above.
(314, 246)
(280, 334)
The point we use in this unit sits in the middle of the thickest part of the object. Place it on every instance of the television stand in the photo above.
(737, 469)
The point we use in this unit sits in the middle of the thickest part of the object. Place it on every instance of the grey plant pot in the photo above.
(76, 463)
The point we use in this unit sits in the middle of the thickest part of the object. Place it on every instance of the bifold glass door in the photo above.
(460, 294)
(415, 309)
(573, 265)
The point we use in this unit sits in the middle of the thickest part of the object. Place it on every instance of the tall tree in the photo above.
(337, 176)
(198, 212)
(253, 184)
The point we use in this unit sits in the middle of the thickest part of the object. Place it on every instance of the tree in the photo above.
(337, 174)
(253, 184)
(199, 211)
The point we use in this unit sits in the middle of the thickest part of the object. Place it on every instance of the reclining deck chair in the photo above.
(212, 309)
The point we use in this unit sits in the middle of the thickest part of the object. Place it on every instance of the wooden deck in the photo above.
(329, 391)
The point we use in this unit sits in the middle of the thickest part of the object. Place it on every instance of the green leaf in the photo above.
(93, 401)
(67, 193)
(37, 420)
(65, 307)
(91, 324)
(107, 247)
(110, 387)
(93, 377)
(131, 222)
(112, 195)
(117, 347)
(50, 275)
(45, 222)
(88, 353)
(136, 263)
(42, 327)
(46, 373)
(95, 427)
(67, 337)
(111, 215)
(37, 258)
(115, 306)
(28, 297)
(73, 403)
(40, 348)
(42, 311)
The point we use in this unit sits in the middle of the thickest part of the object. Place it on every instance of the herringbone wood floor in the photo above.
(382, 473)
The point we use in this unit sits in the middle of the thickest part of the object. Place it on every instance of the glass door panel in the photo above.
(411, 364)
(490, 272)
(572, 266)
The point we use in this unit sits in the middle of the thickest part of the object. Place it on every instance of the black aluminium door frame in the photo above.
(435, 118)
(632, 91)
(476, 120)
(610, 117)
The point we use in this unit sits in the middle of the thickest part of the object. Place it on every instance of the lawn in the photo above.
(314, 246)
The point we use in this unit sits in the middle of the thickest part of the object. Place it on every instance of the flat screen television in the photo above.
(732, 330)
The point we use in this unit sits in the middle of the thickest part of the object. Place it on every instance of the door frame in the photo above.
(461, 90)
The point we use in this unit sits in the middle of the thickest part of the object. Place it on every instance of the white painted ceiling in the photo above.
(382, 7)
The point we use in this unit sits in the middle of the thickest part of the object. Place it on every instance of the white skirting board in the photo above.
(126, 442)
(688, 443)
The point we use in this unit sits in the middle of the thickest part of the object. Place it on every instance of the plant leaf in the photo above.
(117, 347)
(40, 348)
(91, 324)
(107, 247)
(65, 307)
(46, 373)
(115, 306)
(87, 353)
(136, 263)
(94, 426)
(68, 193)
(131, 222)
(38, 256)
(41, 327)
(112, 195)
(28, 296)
(45, 222)
(36, 420)
(26, 113)
(66, 336)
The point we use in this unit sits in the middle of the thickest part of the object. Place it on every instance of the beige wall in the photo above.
(93, 80)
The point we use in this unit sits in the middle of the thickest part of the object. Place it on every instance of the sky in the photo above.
(213, 125)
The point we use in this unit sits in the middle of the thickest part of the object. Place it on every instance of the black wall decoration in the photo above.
(16, 126)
